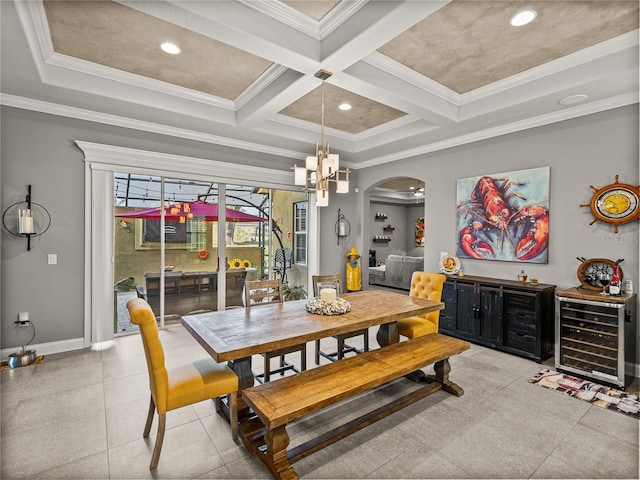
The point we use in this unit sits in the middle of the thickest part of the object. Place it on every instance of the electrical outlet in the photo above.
(52, 259)
(23, 319)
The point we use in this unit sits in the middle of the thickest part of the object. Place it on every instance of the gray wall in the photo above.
(38, 149)
(333, 256)
(401, 217)
(585, 151)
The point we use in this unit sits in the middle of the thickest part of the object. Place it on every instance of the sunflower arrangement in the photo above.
(235, 263)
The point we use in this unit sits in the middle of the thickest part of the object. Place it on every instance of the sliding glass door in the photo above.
(181, 248)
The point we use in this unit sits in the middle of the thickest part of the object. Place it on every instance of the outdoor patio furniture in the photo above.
(186, 292)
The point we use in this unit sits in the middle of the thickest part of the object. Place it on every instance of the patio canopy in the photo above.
(186, 210)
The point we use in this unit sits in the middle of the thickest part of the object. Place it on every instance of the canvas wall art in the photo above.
(419, 223)
(504, 216)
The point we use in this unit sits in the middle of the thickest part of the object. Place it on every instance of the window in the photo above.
(300, 233)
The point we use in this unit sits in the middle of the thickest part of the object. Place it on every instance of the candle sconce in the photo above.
(342, 227)
(26, 219)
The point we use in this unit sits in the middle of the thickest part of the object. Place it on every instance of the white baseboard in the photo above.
(47, 348)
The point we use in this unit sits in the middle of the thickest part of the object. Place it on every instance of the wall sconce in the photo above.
(26, 219)
(342, 227)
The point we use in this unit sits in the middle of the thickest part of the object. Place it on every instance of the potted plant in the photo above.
(295, 292)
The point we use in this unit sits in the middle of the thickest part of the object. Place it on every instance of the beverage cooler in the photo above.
(596, 335)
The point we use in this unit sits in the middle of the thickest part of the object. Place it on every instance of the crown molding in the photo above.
(124, 122)
(541, 120)
(318, 29)
(410, 76)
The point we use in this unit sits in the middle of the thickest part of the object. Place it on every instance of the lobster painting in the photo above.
(504, 216)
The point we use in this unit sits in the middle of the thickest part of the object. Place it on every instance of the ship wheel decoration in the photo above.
(616, 203)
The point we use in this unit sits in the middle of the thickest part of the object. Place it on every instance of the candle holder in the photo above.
(342, 227)
(328, 291)
(26, 219)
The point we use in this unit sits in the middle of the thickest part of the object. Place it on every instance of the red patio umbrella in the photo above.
(185, 210)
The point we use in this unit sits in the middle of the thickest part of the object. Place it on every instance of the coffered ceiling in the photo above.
(420, 75)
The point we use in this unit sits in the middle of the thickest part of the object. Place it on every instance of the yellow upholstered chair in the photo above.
(342, 347)
(263, 292)
(179, 385)
(423, 285)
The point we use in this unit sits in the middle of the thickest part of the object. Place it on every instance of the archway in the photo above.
(392, 207)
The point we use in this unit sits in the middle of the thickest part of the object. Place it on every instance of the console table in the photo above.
(507, 315)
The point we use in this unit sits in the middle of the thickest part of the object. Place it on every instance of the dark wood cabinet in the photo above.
(447, 320)
(506, 315)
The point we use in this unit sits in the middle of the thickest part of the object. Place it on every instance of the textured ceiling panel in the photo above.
(120, 37)
(364, 114)
(413, 70)
(469, 44)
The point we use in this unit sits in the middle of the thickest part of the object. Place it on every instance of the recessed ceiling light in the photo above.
(573, 99)
(171, 48)
(344, 106)
(522, 18)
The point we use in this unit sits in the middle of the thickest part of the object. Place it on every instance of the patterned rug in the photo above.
(600, 395)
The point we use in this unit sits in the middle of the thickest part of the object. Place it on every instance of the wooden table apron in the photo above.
(235, 335)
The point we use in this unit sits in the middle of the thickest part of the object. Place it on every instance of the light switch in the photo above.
(53, 259)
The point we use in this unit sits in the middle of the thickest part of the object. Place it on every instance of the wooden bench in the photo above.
(284, 400)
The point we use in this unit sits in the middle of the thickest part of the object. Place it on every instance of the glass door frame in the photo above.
(101, 161)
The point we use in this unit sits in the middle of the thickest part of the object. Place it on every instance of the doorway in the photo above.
(395, 207)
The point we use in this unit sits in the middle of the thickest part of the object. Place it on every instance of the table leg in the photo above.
(388, 334)
(242, 368)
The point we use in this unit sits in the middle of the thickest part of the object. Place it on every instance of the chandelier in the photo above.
(323, 167)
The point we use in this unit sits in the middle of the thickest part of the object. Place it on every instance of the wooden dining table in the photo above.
(235, 335)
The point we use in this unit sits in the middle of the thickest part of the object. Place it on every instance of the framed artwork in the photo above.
(504, 216)
(419, 223)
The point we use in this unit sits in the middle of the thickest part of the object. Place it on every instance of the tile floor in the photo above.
(80, 415)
